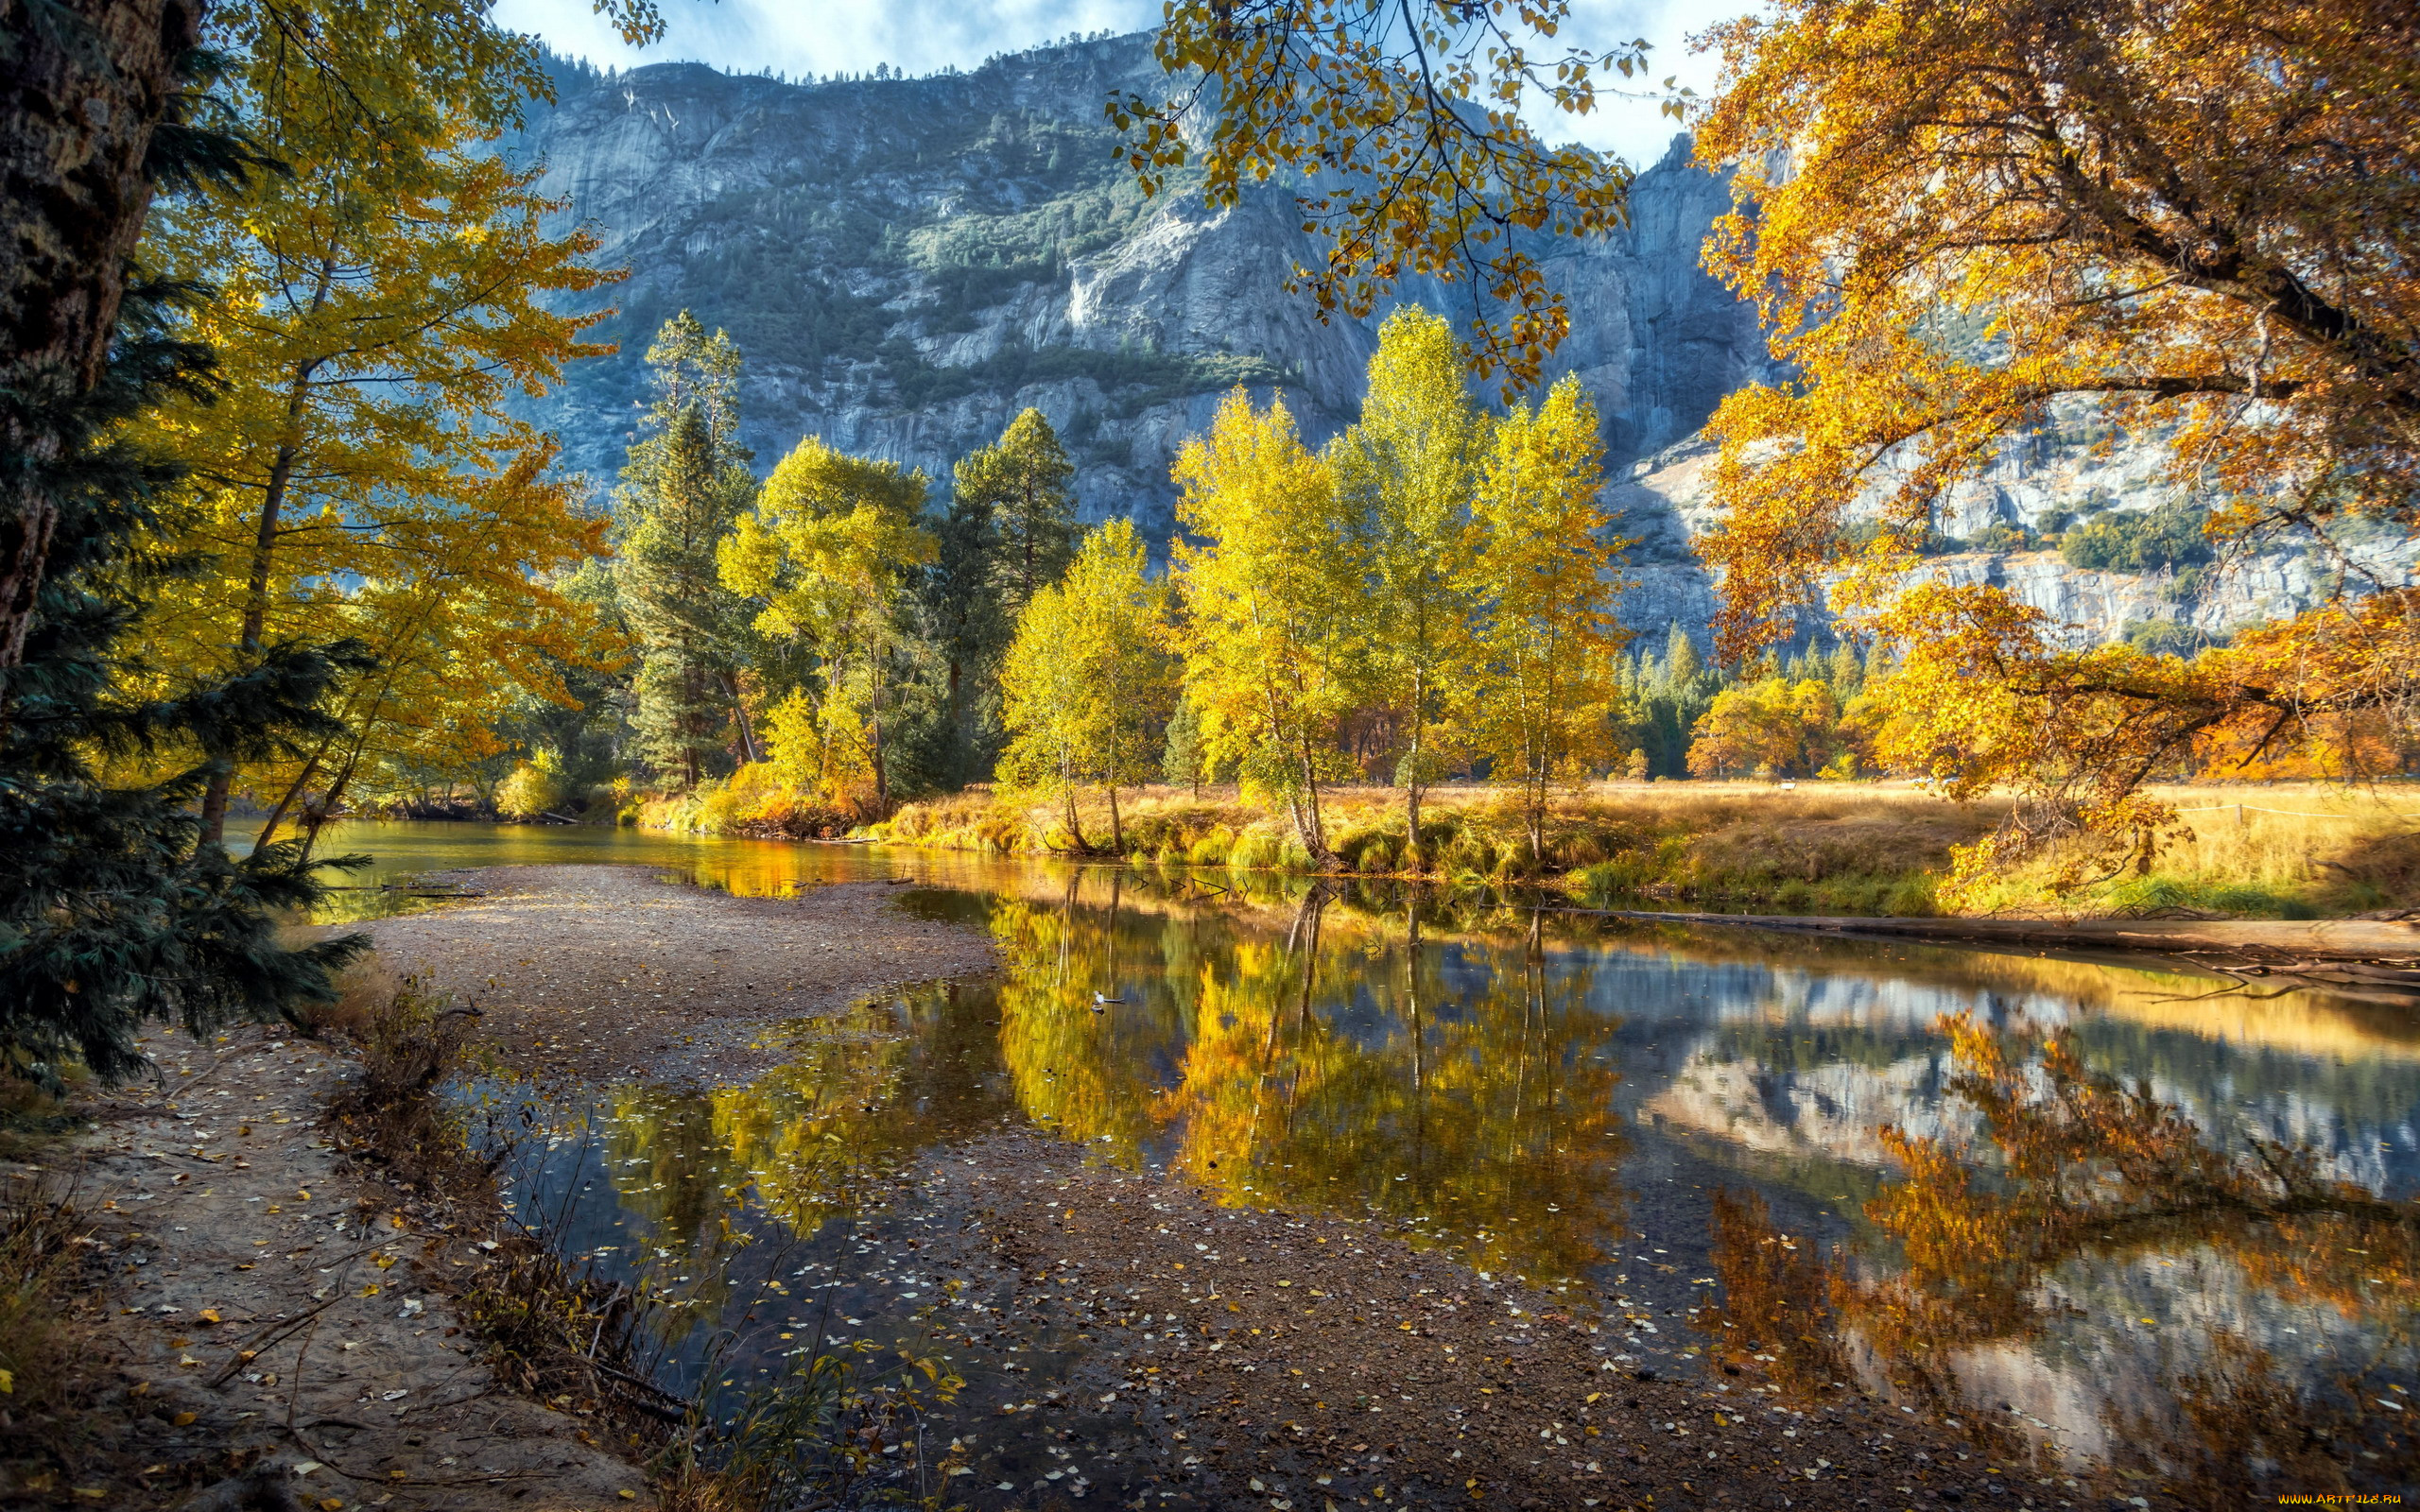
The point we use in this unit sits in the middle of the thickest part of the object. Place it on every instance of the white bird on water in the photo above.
(1099, 1002)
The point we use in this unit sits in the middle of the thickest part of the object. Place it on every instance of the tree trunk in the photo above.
(748, 751)
(1314, 832)
(873, 699)
(1412, 853)
(88, 83)
(1116, 826)
(255, 621)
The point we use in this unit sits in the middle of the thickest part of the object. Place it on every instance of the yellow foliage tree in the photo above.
(1548, 699)
(1791, 727)
(373, 311)
(827, 554)
(1405, 476)
(1268, 631)
(1088, 682)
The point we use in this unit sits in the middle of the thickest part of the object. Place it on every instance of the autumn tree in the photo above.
(2195, 220)
(829, 555)
(685, 484)
(1547, 700)
(1773, 725)
(1088, 682)
(1269, 628)
(1405, 476)
(372, 310)
(1405, 126)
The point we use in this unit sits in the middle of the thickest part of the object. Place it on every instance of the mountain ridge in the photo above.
(908, 262)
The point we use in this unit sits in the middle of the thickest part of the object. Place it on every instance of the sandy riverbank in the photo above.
(605, 973)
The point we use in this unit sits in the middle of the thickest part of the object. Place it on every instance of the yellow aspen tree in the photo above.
(1404, 477)
(1269, 592)
(829, 554)
(1088, 683)
(1546, 699)
(373, 311)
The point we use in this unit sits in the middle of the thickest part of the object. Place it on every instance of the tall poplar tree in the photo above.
(1269, 624)
(1088, 682)
(829, 554)
(1547, 694)
(372, 310)
(1405, 476)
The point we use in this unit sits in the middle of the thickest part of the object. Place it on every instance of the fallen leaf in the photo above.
(209, 1314)
(182, 1419)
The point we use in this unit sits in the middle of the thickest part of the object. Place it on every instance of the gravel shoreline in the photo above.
(604, 973)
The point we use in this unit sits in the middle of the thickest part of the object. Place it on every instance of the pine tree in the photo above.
(1844, 672)
(680, 507)
(115, 909)
(686, 483)
(1022, 489)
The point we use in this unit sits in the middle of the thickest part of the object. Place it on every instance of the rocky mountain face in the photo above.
(909, 263)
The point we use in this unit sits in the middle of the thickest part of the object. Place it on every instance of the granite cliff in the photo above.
(908, 262)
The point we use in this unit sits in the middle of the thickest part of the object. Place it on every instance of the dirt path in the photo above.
(605, 973)
(266, 1322)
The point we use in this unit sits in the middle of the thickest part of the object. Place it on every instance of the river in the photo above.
(2041, 1188)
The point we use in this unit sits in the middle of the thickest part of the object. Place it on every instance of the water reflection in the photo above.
(2081, 1199)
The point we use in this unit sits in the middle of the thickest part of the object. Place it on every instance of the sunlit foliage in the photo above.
(829, 554)
(373, 311)
(1268, 634)
(1548, 709)
(1405, 473)
(1088, 682)
(1400, 129)
(2195, 220)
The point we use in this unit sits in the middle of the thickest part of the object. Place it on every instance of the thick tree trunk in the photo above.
(87, 82)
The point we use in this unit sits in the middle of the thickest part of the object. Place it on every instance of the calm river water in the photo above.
(2108, 1202)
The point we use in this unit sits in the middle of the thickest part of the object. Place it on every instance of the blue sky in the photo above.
(803, 37)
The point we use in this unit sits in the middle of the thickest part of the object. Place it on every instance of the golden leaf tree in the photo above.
(1269, 631)
(1547, 700)
(373, 311)
(1088, 683)
(829, 554)
(2194, 220)
(1401, 126)
(1405, 476)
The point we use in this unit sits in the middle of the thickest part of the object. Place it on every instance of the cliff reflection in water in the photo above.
(2057, 1195)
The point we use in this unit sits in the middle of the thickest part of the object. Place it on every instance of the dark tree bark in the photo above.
(86, 84)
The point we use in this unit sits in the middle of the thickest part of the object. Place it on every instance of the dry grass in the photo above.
(47, 1419)
(2298, 850)
(1865, 849)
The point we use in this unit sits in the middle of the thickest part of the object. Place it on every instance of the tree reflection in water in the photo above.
(2076, 1178)
(1341, 1064)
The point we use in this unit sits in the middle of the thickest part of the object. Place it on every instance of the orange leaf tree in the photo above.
(2193, 220)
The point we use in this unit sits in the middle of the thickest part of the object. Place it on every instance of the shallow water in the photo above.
(1659, 1119)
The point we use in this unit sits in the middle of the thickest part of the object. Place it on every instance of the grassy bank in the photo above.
(2303, 851)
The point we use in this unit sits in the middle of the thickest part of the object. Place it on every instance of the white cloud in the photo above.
(919, 36)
